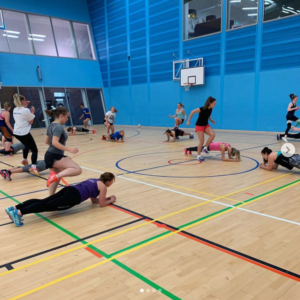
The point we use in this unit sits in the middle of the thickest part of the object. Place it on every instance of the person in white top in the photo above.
(110, 120)
(24, 118)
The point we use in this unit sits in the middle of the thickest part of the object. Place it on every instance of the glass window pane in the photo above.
(274, 9)
(6, 95)
(84, 41)
(74, 97)
(42, 35)
(56, 97)
(3, 41)
(17, 32)
(64, 38)
(240, 14)
(201, 17)
(32, 95)
(96, 106)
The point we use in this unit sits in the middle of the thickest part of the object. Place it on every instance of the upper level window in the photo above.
(17, 32)
(241, 13)
(84, 41)
(201, 17)
(42, 35)
(275, 9)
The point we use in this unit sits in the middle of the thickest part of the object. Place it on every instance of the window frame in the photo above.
(199, 37)
(71, 22)
(263, 17)
(227, 12)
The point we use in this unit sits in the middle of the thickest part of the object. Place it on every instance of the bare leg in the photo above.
(187, 133)
(53, 186)
(68, 168)
(201, 141)
(209, 131)
(16, 170)
(112, 129)
(7, 146)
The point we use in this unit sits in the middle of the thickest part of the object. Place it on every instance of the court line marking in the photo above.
(123, 231)
(187, 226)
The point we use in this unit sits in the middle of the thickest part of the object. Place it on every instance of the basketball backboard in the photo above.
(192, 76)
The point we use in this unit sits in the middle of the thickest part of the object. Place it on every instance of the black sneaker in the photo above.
(8, 175)
(3, 174)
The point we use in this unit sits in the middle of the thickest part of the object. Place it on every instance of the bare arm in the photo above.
(290, 108)
(168, 137)
(58, 145)
(271, 165)
(81, 117)
(102, 199)
(173, 134)
(47, 140)
(174, 115)
(197, 110)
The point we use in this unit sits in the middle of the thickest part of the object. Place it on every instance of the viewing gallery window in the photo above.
(42, 35)
(201, 17)
(277, 9)
(241, 13)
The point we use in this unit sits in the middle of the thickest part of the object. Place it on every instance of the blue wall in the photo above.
(250, 71)
(20, 70)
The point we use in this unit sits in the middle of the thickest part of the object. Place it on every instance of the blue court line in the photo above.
(133, 135)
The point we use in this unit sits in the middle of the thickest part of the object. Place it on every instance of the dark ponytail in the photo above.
(107, 177)
(292, 96)
(266, 150)
(181, 104)
(208, 102)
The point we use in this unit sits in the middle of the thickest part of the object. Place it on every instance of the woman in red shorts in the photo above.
(202, 125)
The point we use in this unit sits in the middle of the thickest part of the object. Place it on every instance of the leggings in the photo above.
(85, 130)
(290, 135)
(29, 143)
(195, 148)
(62, 200)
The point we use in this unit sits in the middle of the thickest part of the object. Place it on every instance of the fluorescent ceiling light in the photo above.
(298, 11)
(235, 1)
(285, 9)
(11, 36)
(249, 8)
(285, 12)
(290, 7)
(250, 15)
(37, 35)
(13, 32)
(34, 39)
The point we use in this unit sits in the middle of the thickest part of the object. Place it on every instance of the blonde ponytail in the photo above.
(18, 100)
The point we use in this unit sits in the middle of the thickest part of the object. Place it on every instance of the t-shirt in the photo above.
(56, 129)
(204, 115)
(178, 132)
(86, 113)
(116, 135)
(22, 118)
(111, 116)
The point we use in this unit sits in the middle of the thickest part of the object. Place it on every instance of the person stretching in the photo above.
(180, 115)
(202, 125)
(73, 130)
(6, 174)
(223, 147)
(175, 133)
(115, 137)
(86, 115)
(66, 198)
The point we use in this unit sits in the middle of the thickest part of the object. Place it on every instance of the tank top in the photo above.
(291, 113)
(88, 189)
(204, 115)
(180, 114)
(215, 146)
(2, 119)
(283, 161)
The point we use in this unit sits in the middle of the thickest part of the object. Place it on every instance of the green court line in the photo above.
(118, 263)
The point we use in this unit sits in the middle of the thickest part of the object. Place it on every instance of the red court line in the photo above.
(93, 252)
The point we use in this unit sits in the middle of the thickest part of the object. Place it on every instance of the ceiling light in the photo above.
(251, 15)
(285, 9)
(35, 39)
(37, 35)
(13, 32)
(235, 1)
(290, 7)
(11, 36)
(249, 8)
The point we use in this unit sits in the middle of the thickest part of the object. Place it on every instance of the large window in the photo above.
(276, 9)
(241, 13)
(42, 35)
(64, 38)
(201, 17)
(17, 32)
(84, 41)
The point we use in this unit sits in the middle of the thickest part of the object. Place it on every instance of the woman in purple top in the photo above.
(95, 189)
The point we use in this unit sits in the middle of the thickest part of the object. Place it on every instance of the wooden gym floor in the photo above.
(179, 229)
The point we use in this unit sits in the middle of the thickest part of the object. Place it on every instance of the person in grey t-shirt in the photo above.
(56, 137)
(6, 174)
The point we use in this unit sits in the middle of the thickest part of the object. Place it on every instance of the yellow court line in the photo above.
(143, 245)
(117, 233)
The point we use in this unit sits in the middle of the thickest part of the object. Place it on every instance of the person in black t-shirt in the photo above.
(202, 125)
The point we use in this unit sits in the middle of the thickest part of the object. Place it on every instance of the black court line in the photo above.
(6, 224)
(9, 266)
(228, 250)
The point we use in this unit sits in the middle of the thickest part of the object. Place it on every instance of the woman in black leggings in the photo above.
(24, 118)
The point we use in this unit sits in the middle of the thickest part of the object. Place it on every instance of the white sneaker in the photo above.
(284, 139)
(200, 158)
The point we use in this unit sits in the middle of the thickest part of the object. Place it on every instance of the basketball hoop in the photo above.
(187, 86)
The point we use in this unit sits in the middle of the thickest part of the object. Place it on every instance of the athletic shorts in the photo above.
(6, 132)
(201, 128)
(51, 158)
(292, 118)
(182, 120)
(108, 122)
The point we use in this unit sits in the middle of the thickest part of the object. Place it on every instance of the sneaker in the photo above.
(204, 149)
(52, 178)
(177, 138)
(190, 152)
(7, 175)
(284, 139)
(94, 131)
(200, 158)
(103, 138)
(191, 136)
(34, 171)
(3, 174)
(184, 151)
(16, 218)
(8, 154)
(7, 210)
(24, 162)
(278, 137)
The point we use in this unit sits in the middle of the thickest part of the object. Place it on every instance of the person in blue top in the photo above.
(86, 115)
(115, 137)
(180, 115)
(69, 196)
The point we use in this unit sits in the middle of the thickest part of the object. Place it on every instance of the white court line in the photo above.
(192, 196)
